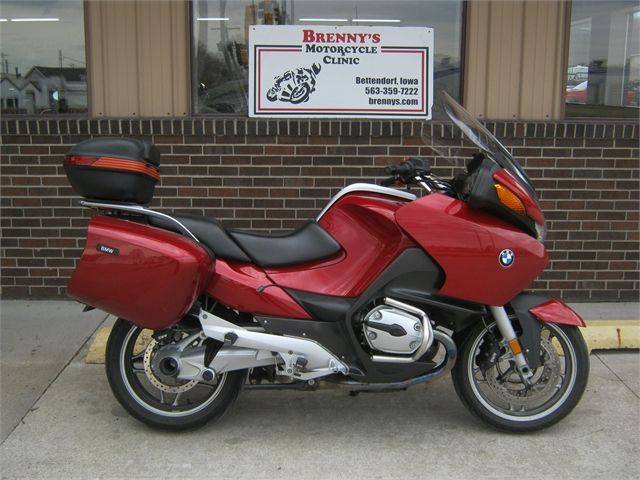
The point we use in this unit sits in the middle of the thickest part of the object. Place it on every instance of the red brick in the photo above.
(589, 192)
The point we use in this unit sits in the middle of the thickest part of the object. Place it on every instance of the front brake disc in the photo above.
(546, 380)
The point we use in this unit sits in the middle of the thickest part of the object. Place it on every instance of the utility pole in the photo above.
(5, 63)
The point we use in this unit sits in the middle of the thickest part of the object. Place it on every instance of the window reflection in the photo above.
(42, 57)
(221, 34)
(604, 57)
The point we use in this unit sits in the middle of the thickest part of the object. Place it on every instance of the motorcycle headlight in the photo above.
(541, 230)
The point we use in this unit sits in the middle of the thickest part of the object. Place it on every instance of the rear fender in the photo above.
(531, 310)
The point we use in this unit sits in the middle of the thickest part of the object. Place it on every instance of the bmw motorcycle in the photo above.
(382, 291)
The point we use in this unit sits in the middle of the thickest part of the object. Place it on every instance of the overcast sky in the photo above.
(444, 15)
(37, 43)
(26, 44)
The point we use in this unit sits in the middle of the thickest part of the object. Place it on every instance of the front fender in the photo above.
(555, 311)
(531, 310)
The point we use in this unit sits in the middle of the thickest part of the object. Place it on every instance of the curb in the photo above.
(611, 334)
(599, 335)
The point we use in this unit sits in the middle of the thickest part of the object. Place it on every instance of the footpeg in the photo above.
(301, 362)
(230, 338)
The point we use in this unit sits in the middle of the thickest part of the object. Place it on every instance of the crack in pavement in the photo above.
(64, 367)
(616, 375)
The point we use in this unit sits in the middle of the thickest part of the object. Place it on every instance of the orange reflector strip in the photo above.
(509, 199)
(130, 165)
(515, 346)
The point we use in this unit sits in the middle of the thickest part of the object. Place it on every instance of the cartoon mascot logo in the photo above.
(294, 86)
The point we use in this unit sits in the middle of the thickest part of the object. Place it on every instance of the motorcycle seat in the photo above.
(209, 231)
(308, 243)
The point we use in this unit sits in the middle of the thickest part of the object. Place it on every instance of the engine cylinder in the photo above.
(393, 330)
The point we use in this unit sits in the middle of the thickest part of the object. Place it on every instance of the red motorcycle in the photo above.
(382, 291)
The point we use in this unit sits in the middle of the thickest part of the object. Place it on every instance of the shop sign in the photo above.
(335, 71)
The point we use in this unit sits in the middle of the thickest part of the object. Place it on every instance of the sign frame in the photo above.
(306, 66)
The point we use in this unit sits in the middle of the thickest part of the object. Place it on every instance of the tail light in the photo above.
(119, 164)
(80, 160)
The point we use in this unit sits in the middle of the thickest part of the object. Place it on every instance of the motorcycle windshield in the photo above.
(485, 141)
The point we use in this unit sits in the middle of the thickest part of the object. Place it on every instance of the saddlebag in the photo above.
(143, 274)
(114, 169)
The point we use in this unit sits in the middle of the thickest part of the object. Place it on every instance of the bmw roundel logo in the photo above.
(506, 258)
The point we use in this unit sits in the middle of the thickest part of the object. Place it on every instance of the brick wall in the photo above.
(275, 174)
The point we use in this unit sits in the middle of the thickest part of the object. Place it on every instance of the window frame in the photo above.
(576, 111)
(193, 73)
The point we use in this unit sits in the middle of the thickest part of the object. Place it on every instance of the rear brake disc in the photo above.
(151, 349)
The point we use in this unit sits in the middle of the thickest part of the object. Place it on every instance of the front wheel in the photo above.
(300, 93)
(487, 382)
(155, 397)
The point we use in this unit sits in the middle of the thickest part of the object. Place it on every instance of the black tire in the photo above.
(300, 93)
(479, 399)
(272, 95)
(136, 394)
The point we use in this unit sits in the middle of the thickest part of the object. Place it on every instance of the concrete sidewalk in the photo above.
(76, 429)
(37, 341)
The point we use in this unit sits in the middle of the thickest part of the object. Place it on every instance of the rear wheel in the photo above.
(487, 381)
(155, 398)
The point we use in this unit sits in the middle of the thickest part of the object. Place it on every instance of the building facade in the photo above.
(175, 72)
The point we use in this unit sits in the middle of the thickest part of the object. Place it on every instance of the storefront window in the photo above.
(43, 57)
(603, 75)
(221, 35)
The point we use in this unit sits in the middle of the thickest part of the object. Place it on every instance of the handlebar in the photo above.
(404, 169)
(387, 182)
(415, 170)
(410, 168)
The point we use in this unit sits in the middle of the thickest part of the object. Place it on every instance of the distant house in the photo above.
(44, 89)
(18, 94)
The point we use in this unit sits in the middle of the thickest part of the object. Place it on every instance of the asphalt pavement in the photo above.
(72, 427)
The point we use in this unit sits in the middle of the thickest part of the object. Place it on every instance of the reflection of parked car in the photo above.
(633, 94)
(577, 94)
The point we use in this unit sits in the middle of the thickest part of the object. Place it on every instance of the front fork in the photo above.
(510, 338)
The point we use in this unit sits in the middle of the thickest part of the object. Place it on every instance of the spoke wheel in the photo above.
(489, 385)
(157, 399)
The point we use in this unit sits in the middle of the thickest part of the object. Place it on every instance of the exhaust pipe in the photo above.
(444, 368)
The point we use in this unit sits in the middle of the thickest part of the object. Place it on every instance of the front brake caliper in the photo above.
(489, 351)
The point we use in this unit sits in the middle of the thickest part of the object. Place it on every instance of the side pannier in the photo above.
(114, 169)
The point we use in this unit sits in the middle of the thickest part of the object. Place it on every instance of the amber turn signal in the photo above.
(509, 199)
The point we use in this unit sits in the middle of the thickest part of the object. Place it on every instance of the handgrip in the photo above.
(387, 182)
(405, 168)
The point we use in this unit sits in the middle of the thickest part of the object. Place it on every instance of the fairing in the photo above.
(364, 225)
(245, 287)
(467, 243)
(533, 211)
